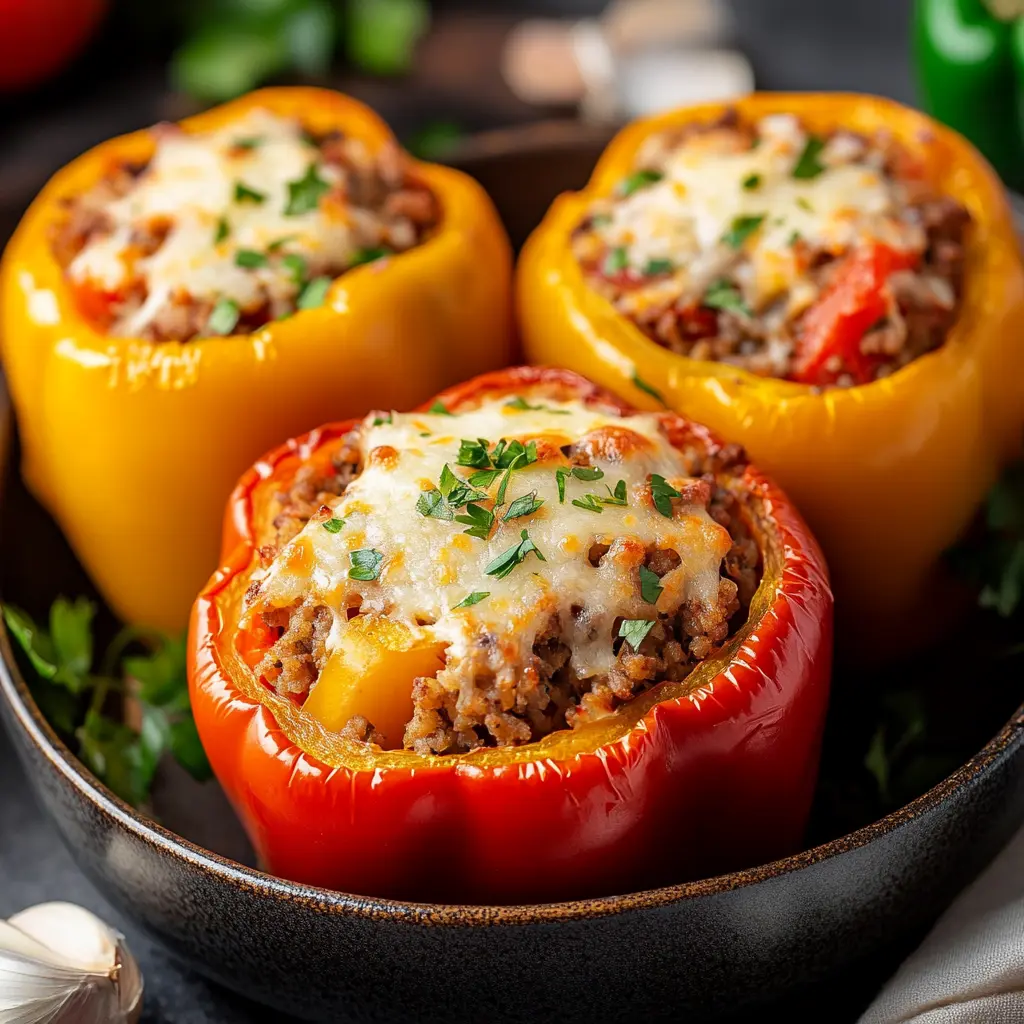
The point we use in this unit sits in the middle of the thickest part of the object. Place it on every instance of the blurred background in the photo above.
(74, 72)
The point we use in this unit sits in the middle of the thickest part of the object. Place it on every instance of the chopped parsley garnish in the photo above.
(560, 475)
(250, 259)
(432, 505)
(222, 231)
(523, 405)
(600, 220)
(725, 295)
(296, 264)
(366, 564)
(638, 180)
(379, 421)
(634, 631)
(304, 194)
(456, 492)
(485, 477)
(474, 454)
(523, 506)
(808, 165)
(440, 409)
(362, 256)
(646, 388)
(655, 267)
(587, 473)
(650, 585)
(223, 317)
(333, 525)
(244, 194)
(475, 598)
(616, 260)
(591, 502)
(618, 496)
(314, 293)
(478, 519)
(662, 493)
(508, 560)
(751, 181)
(515, 454)
(279, 243)
(794, 238)
(248, 142)
(742, 228)
(804, 204)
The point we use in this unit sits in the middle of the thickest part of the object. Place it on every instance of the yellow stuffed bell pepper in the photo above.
(887, 465)
(207, 298)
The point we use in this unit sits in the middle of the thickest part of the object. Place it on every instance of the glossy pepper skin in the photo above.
(887, 474)
(133, 445)
(969, 59)
(689, 779)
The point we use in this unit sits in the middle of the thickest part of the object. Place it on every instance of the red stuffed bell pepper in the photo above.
(524, 644)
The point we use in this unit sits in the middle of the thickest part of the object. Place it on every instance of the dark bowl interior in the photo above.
(839, 915)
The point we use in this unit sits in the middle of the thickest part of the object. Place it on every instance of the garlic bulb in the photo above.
(60, 964)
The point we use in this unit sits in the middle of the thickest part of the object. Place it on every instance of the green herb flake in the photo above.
(794, 238)
(223, 318)
(222, 231)
(475, 598)
(560, 477)
(590, 502)
(333, 525)
(314, 293)
(478, 519)
(650, 585)
(638, 180)
(658, 266)
(366, 564)
(440, 409)
(362, 256)
(501, 566)
(804, 204)
(662, 493)
(484, 478)
(616, 497)
(646, 388)
(305, 193)
(522, 405)
(244, 194)
(279, 243)
(250, 259)
(380, 421)
(588, 473)
(474, 454)
(634, 631)
(726, 296)
(248, 142)
(296, 265)
(751, 182)
(616, 261)
(742, 228)
(525, 505)
(432, 505)
(808, 165)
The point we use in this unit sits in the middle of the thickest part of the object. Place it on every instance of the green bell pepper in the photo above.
(969, 56)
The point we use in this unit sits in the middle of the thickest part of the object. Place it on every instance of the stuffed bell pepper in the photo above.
(523, 644)
(832, 281)
(177, 300)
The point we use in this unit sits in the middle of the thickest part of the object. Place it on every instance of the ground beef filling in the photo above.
(922, 303)
(485, 701)
(389, 211)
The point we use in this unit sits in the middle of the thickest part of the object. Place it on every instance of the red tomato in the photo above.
(38, 37)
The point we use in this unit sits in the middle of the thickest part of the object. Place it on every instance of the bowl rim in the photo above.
(41, 734)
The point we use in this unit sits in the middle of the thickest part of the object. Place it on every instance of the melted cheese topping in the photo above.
(713, 180)
(190, 185)
(429, 565)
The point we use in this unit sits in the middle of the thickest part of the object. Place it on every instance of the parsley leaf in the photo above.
(650, 585)
(515, 455)
(741, 229)
(304, 194)
(379, 421)
(244, 194)
(523, 506)
(617, 260)
(726, 296)
(366, 564)
(223, 318)
(508, 560)
(634, 631)
(440, 409)
(662, 493)
(560, 476)
(475, 598)
(296, 264)
(523, 405)
(658, 266)
(222, 231)
(362, 256)
(808, 165)
(638, 180)
(618, 496)
(587, 473)
(647, 388)
(590, 502)
(751, 182)
(250, 259)
(314, 293)
(432, 505)
(478, 519)
(474, 454)
(248, 142)
(280, 243)
(333, 525)
(484, 478)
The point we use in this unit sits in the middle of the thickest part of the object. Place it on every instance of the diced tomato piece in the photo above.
(849, 307)
(95, 304)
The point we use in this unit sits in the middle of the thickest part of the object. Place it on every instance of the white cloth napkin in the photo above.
(970, 968)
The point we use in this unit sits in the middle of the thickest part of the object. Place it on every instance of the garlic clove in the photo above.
(63, 965)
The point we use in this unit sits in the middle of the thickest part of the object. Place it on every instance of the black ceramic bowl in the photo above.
(840, 914)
